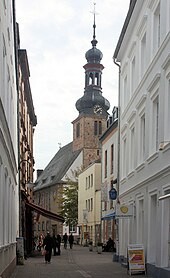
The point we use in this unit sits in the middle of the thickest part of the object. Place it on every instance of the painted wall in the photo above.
(9, 226)
(145, 130)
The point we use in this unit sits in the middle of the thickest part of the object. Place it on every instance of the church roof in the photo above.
(57, 167)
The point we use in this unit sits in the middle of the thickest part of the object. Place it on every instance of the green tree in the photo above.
(69, 199)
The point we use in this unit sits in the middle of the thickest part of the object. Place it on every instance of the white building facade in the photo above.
(143, 52)
(9, 227)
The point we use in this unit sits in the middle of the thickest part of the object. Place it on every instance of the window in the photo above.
(86, 183)
(78, 130)
(47, 225)
(153, 89)
(142, 138)
(156, 31)
(141, 221)
(72, 229)
(105, 164)
(100, 127)
(43, 226)
(155, 123)
(132, 148)
(133, 77)
(111, 159)
(124, 158)
(91, 180)
(143, 54)
(91, 204)
(95, 128)
(88, 204)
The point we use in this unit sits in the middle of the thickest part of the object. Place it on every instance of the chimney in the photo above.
(39, 172)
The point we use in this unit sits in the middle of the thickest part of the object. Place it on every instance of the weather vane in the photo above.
(94, 25)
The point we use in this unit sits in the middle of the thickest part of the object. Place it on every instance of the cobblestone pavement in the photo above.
(78, 262)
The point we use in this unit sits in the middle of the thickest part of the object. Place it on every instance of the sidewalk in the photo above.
(77, 263)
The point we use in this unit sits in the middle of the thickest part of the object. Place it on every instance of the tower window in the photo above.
(78, 130)
(100, 127)
(95, 128)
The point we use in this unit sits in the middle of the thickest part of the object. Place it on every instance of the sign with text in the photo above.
(136, 258)
(124, 211)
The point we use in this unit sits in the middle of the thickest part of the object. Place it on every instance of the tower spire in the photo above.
(94, 25)
(94, 41)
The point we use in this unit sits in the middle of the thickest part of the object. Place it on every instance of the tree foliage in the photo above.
(69, 199)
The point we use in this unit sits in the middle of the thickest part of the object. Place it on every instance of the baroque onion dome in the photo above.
(92, 100)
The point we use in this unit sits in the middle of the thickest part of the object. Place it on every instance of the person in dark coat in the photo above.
(65, 238)
(48, 244)
(59, 243)
(71, 240)
(54, 244)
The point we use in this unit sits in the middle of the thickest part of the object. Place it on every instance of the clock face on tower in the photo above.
(97, 109)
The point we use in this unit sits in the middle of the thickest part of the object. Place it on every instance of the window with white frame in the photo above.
(141, 221)
(124, 158)
(153, 227)
(142, 137)
(133, 75)
(156, 29)
(155, 123)
(88, 181)
(91, 204)
(143, 54)
(91, 180)
(153, 89)
(132, 148)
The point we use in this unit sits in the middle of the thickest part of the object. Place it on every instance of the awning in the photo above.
(109, 216)
(45, 212)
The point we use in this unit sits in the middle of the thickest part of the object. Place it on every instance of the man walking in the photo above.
(65, 238)
(48, 245)
(71, 240)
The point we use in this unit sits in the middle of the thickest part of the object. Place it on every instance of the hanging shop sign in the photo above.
(124, 211)
(136, 258)
(113, 194)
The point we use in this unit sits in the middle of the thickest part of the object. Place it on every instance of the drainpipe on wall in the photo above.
(118, 163)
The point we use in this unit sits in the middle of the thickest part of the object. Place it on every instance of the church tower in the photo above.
(92, 107)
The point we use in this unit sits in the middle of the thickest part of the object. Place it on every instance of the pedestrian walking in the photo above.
(59, 243)
(48, 244)
(54, 244)
(65, 239)
(71, 240)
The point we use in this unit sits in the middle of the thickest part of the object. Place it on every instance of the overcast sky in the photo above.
(56, 35)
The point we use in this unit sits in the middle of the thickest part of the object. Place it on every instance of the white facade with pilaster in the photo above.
(144, 56)
(9, 227)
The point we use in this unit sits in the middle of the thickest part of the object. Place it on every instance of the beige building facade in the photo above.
(89, 204)
(109, 145)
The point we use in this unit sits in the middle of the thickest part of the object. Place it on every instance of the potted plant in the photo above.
(99, 247)
(90, 245)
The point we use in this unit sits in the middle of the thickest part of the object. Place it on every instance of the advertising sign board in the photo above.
(136, 258)
(124, 211)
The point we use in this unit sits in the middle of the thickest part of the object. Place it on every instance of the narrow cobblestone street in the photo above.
(77, 263)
